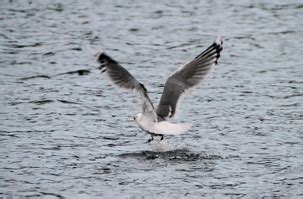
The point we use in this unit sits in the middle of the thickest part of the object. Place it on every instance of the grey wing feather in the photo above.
(187, 77)
(122, 78)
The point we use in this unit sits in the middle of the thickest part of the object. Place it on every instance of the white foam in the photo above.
(161, 146)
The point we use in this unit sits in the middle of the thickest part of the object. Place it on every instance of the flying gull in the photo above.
(154, 121)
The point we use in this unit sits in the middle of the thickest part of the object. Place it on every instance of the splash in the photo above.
(162, 146)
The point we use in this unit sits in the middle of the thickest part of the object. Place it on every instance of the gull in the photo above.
(155, 121)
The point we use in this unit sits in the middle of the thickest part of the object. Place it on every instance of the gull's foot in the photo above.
(162, 137)
(150, 139)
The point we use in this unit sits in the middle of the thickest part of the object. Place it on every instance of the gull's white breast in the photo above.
(163, 127)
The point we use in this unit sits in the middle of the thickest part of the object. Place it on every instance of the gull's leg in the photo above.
(150, 139)
(162, 137)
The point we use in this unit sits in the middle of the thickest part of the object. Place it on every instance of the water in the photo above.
(66, 132)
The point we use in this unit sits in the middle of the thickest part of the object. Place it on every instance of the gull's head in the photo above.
(137, 116)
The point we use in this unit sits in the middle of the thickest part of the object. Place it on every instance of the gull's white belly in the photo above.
(146, 124)
(163, 127)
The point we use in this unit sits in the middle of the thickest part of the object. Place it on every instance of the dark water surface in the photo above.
(65, 132)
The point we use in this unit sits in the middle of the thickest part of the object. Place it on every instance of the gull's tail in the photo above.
(167, 128)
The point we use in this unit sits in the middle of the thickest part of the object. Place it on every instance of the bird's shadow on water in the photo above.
(171, 153)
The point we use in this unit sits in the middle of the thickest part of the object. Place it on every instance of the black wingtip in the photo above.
(102, 57)
(217, 44)
(142, 86)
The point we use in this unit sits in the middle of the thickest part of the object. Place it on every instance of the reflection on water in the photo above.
(177, 155)
(66, 132)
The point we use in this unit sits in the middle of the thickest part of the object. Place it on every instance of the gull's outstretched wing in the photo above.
(186, 77)
(122, 78)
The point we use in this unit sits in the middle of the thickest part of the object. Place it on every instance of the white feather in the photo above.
(162, 128)
(219, 40)
(167, 128)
